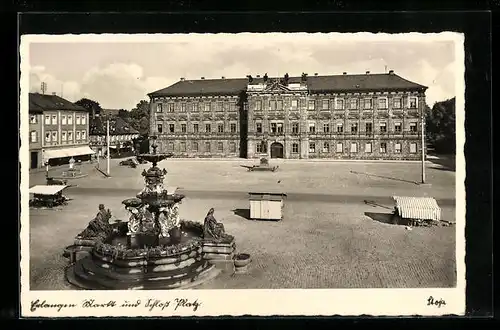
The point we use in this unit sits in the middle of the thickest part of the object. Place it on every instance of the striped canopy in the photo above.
(420, 208)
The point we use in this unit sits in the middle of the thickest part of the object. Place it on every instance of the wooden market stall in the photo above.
(416, 211)
(266, 205)
(47, 195)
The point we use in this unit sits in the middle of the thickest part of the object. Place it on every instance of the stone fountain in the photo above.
(155, 249)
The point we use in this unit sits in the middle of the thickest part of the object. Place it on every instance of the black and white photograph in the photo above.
(242, 174)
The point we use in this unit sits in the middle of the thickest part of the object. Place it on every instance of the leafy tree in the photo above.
(124, 114)
(139, 117)
(440, 126)
(92, 106)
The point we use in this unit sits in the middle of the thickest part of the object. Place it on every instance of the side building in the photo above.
(121, 136)
(63, 129)
(364, 116)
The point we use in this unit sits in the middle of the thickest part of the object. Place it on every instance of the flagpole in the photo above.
(107, 146)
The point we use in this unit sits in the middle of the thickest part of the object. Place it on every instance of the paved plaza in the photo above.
(328, 238)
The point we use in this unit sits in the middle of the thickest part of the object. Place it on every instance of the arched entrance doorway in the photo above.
(276, 150)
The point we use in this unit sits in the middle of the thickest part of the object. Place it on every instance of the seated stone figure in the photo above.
(213, 229)
(98, 227)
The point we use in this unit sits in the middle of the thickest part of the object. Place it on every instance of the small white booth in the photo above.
(266, 205)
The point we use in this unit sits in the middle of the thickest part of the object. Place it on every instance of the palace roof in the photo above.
(46, 102)
(315, 84)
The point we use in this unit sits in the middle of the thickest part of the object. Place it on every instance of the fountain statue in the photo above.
(154, 249)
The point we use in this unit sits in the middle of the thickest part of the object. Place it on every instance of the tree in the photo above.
(440, 126)
(93, 107)
(139, 117)
(124, 114)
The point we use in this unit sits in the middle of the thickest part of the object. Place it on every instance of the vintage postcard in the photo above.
(242, 174)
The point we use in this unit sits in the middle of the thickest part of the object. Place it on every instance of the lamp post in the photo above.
(423, 143)
(107, 146)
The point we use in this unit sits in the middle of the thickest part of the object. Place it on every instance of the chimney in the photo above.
(202, 78)
(367, 72)
(344, 73)
(391, 71)
(182, 79)
(315, 73)
(258, 76)
(223, 77)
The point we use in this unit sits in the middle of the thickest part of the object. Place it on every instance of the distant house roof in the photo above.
(46, 102)
(110, 112)
(332, 83)
(117, 126)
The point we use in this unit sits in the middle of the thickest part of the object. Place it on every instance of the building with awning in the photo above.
(63, 130)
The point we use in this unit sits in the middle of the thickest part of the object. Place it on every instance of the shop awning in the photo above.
(422, 208)
(67, 152)
(46, 190)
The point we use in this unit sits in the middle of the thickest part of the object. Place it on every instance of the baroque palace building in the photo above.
(362, 116)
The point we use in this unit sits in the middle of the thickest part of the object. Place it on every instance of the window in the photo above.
(325, 105)
(280, 127)
(413, 147)
(383, 147)
(226, 106)
(54, 120)
(78, 122)
(159, 128)
(397, 127)
(261, 147)
(195, 146)
(382, 103)
(84, 120)
(295, 148)
(326, 128)
(340, 147)
(220, 128)
(368, 147)
(63, 136)
(396, 103)
(196, 107)
(413, 127)
(219, 106)
(312, 147)
(310, 105)
(63, 119)
(354, 104)
(54, 136)
(78, 135)
(183, 107)
(70, 119)
(70, 136)
(159, 107)
(339, 104)
(171, 107)
(354, 128)
(208, 107)
(47, 120)
(295, 128)
(383, 127)
(47, 136)
(279, 105)
(171, 128)
(397, 148)
(273, 127)
(33, 136)
(208, 128)
(183, 128)
(84, 135)
(272, 105)
(232, 147)
(258, 127)
(195, 128)
(170, 146)
(232, 127)
(182, 147)
(354, 147)
(369, 128)
(258, 105)
(368, 104)
(326, 147)
(33, 119)
(340, 128)
(295, 104)
(220, 147)
(312, 128)
(412, 102)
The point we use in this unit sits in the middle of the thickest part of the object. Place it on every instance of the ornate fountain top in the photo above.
(155, 157)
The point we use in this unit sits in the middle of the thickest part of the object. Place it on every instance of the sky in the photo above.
(118, 73)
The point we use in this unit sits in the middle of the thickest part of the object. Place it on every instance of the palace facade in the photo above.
(364, 116)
